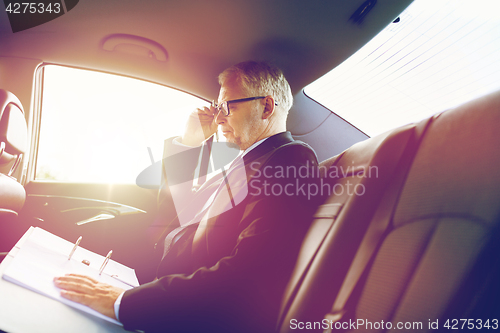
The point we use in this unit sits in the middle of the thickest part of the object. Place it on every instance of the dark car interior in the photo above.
(414, 242)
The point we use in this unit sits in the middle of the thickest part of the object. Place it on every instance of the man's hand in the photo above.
(200, 125)
(87, 291)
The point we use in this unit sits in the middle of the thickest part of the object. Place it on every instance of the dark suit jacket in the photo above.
(232, 276)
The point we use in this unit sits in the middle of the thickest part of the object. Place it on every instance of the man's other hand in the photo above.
(87, 291)
(200, 125)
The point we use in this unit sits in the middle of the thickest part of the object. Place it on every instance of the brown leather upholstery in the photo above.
(342, 237)
(444, 226)
(13, 144)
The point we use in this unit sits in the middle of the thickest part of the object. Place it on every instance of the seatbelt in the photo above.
(378, 226)
(201, 171)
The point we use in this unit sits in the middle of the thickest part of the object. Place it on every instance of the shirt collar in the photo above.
(246, 151)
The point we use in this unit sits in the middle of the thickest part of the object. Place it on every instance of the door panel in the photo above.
(129, 231)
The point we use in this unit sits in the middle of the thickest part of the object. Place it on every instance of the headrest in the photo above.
(367, 154)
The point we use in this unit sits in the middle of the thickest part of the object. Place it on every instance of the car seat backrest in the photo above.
(13, 132)
(439, 228)
(447, 214)
(13, 144)
(353, 182)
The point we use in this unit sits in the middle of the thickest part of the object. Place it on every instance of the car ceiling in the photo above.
(305, 38)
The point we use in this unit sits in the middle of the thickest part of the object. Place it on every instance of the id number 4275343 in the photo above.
(461, 324)
(33, 8)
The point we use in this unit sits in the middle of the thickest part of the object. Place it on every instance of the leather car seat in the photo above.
(13, 144)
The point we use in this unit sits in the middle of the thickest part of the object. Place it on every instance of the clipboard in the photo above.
(43, 256)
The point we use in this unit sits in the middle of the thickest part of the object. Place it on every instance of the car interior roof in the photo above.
(201, 38)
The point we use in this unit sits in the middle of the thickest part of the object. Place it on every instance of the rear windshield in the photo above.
(440, 54)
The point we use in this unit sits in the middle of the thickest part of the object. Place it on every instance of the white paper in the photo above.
(44, 256)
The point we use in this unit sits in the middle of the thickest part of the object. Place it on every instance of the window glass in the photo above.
(98, 128)
(441, 53)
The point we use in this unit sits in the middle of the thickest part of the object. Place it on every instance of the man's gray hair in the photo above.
(261, 79)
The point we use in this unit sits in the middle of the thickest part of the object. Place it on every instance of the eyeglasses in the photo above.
(224, 106)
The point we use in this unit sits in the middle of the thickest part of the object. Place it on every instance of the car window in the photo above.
(440, 54)
(100, 128)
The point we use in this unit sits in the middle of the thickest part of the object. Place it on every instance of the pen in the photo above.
(105, 262)
(74, 247)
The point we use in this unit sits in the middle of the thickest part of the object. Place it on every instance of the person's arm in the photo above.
(179, 161)
(244, 285)
(238, 286)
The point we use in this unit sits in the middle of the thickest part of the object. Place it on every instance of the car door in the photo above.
(93, 134)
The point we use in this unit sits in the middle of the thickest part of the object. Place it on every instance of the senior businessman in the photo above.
(226, 268)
